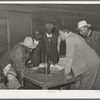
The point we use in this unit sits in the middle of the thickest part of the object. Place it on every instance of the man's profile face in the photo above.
(83, 31)
(37, 35)
(62, 35)
(49, 31)
(28, 50)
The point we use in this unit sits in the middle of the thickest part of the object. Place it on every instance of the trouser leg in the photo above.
(97, 82)
(88, 79)
(75, 86)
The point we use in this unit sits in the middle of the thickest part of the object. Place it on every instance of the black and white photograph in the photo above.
(49, 47)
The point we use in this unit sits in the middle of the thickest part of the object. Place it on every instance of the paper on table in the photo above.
(42, 65)
(35, 68)
(55, 67)
(62, 62)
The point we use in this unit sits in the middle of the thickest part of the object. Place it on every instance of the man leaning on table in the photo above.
(80, 58)
(17, 57)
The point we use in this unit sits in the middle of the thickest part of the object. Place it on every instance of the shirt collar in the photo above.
(89, 33)
(68, 34)
(37, 42)
(48, 35)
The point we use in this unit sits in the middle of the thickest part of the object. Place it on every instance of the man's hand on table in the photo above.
(68, 77)
(30, 71)
(22, 74)
(30, 65)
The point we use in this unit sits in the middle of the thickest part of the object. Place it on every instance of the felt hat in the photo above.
(82, 24)
(49, 26)
(28, 42)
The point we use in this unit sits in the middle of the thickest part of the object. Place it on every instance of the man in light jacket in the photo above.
(80, 58)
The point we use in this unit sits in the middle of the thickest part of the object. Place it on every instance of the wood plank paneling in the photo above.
(57, 14)
(39, 22)
(3, 33)
(19, 27)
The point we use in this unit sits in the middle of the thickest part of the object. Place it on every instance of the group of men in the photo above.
(82, 56)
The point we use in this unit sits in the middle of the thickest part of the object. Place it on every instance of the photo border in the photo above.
(54, 94)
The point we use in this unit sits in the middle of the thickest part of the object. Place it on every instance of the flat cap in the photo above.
(49, 25)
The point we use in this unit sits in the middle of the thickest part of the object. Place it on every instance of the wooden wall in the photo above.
(18, 21)
(68, 15)
(19, 27)
(3, 33)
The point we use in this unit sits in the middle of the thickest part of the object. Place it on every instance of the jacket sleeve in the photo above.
(58, 44)
(18, 60)
(43, 47)
(97, 37)
(69, 55)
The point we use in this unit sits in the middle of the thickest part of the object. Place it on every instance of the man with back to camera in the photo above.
(79, 58)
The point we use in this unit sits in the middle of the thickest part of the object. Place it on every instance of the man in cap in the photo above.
(13, 82)
(92, 37)
(50, 40)
(17, 56)
(80, 58)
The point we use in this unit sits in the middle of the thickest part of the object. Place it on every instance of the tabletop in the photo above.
(50, 80)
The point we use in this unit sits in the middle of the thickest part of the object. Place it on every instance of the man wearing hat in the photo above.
(80, 59)
(93, 40)
(92, 37)
(50, 40)
(18, 55)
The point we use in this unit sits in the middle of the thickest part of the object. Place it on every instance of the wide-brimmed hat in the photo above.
(49, 26)
(28, 42)
(82, 24)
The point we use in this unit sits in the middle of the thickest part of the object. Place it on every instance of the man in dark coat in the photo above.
(93, 40)
(38, 54)
(51, 43)
(92, 37)
(17, 57)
